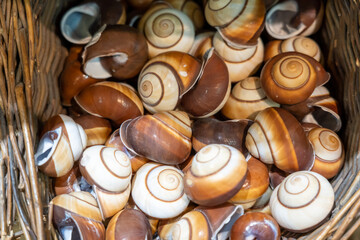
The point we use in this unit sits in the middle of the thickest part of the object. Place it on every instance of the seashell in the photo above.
(212, 131)
(202, 43)
(114, 141)
(278, 138)
(128, 224)
(97, 129)
(239, 23)
(290, 78)
(216, 174)
(103, 57)
(73, 79)
(77, 216)
(255, 225)
(158, 191)
(165, 79)
(255, 185)
(107, 168)
(154, 6)
(241, 62)
(205, 223)
(329, 152)
(68, 183)
(299, 44)
(168, 29)
(115, 101)
(246, 100)
(290, 18)
(263, 201)
(163, 137)
(61, 144)
(302, 201)
(212, 89)
(276, 176)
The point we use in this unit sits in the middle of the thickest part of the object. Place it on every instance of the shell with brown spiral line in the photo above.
(158, 191)
(168, 30)
(216, 174)
(302, 201)
(290, 78)
(329, 152)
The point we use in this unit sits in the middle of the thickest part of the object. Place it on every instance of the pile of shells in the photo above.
(182, 124)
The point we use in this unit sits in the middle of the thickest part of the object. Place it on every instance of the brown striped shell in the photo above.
(202, 43)
(216, 174)
(276, 137)
(302, 201)
(77, 216)
(290, 78)
(69, 182)
(246, 100)
(165, 79)
(105, 167)
(115, 101)
(239, 22)
(158, 191)
(163, 137)
(329, 152)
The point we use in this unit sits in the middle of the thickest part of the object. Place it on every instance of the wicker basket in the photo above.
(31, 58)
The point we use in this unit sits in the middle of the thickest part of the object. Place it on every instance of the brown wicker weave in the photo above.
(31, 58)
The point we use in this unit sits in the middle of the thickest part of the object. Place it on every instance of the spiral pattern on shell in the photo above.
(168, 30)
(158, 191)
(302, 201)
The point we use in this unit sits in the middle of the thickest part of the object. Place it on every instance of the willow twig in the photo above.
(347, 220)
(29, 18)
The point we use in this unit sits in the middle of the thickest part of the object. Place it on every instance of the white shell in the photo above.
(158, 191)
(302, 201)
(108, 168)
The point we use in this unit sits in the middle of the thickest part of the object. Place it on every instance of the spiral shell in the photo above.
(278, 138)
(241, 62)
(240, 23)
(255, 225)
(107, 168)
(216, 174)
(302, 201)
(168, 30)
(163, 137)
(192, 10)
(329, 152)
(115, 101)
(295, 44)
(202, 43)
(165, 79)
(69, 182)
(246, 100)
(158, 190)
(61, 144)
(290, 78)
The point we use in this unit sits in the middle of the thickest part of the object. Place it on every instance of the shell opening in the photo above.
(66, 233)
(47, 146)
(224, 231)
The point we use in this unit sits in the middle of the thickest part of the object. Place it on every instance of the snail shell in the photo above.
(329, 152)
(168, 30)
(255, 225)
(115, 101)
(107, 168)
(290, 78)
(216, 174)
(302, 201)
(128, 224)
(202, 43)
(278, 138)
(163, 137)
(97, 129)
(240, 23)
(241, 62)
(154, 6)
(68, 183)
(295, 44)
(158, 191)
(211, 91)
(165, 79)
(61, 144)
(77, 216)
(246, 100)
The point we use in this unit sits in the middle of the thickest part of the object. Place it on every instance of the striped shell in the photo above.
(163, 137)
(158, 191)
(192, 10)
(276, 137)
(302, 201)
(216, 174)
(246, 100)
(202, 43)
